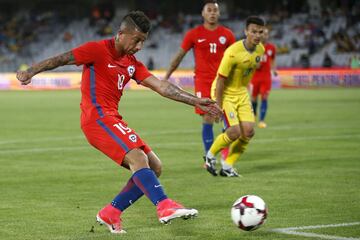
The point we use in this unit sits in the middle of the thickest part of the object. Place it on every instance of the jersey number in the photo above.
(124, 130)
(212, 47)
(121, 79)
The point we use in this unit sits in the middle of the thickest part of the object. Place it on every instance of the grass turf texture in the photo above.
(305, 165)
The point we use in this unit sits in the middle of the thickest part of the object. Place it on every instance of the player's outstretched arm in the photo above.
(175, 63)
(63, 59)
(171, 91)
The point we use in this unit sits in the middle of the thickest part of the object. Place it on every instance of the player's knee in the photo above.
(249, 133)
(155, 163)
(157, 169)
(264, 96)
(136, 160)
(234, 133)
(142, 160)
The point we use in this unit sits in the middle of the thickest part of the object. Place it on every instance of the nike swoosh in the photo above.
(201, 40)
(111, 66)
(157, 186)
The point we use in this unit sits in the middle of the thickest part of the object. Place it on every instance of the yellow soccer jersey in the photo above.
(238, 66)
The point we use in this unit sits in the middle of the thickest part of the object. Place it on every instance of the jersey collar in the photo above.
(243, 41)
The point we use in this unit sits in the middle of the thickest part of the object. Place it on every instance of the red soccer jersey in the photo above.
(209, 47)
(264, 72)
(104, 77)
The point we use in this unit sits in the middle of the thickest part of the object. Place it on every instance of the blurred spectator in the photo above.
(106, 30)
(294, 44)
(304, 61)
(311, 45)
(153, 45)
(283, 49)
(67, 36)
(327, 62)
(355, 62)
(95, 15)
(344, 43)
(23, 67)
(356, 39)
(150, 64)
(107, 9)
(101, 16)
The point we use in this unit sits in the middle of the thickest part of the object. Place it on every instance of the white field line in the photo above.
(170, 144)
(294, 231)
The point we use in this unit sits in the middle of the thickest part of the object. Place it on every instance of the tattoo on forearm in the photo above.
(176, 93)
(54, 62)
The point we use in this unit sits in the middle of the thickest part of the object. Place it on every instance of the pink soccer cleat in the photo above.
(169, 209)
(110, 216)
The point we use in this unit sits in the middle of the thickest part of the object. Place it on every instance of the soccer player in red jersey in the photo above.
(261, 81)
(208, 42)
(108, 65)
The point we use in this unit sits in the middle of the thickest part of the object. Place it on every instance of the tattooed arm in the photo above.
(171, 91)
(63, 59)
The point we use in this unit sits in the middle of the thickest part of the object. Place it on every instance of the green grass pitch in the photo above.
(305, 165)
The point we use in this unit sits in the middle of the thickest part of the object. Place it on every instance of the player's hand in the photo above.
(209, 106)
(24, 77)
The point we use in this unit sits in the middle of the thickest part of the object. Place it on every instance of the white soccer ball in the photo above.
(249, 212)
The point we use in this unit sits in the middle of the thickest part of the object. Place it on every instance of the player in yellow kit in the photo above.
(229, 89)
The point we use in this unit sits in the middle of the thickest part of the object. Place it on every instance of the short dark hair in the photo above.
(210, 1)
(137, 19)
(255, 20)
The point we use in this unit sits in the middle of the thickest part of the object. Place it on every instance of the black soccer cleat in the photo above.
(228, 173)
(210, 165)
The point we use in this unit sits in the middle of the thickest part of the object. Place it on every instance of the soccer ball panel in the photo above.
(249, 212)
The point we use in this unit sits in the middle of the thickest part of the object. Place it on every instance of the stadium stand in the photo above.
(302, 36)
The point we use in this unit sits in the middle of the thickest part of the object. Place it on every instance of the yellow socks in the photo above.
(236, 149)
(220, 142)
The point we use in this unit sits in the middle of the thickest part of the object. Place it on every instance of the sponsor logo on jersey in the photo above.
(133, 138)
(131, 70)
(222, 40)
